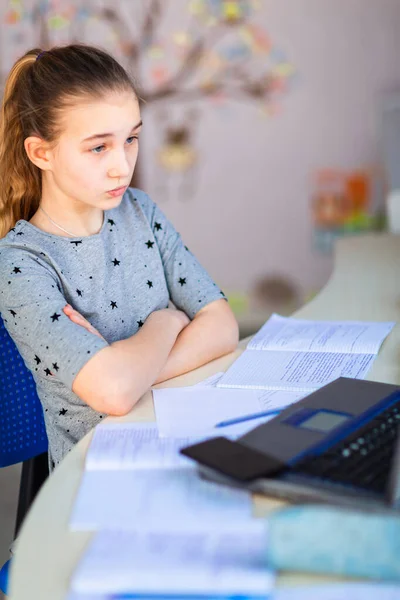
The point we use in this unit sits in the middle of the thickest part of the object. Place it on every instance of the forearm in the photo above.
(140, 358)
(208, 336)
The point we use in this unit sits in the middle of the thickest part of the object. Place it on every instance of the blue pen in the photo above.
(267, 413)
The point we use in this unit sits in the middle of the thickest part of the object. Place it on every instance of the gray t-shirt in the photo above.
(115, 278)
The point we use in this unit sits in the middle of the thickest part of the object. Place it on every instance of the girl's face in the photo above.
(97, 150)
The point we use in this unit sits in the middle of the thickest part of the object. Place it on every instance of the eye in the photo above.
(131, 138)
(98, 149)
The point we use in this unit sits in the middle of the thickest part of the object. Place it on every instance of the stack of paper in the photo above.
(163, 531)
(176, 564)
(299, 355)
(138, 481)
(333, 591)
(120, 446)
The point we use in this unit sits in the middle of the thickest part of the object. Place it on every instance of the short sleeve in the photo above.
(31, 306)
(190, 286)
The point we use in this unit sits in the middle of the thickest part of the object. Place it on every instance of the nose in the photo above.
(120, 169)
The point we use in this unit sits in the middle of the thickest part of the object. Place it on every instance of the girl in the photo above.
(88, 265)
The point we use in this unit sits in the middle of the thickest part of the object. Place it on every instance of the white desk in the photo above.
(365, 285)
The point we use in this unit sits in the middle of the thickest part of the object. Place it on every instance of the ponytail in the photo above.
(20, 179)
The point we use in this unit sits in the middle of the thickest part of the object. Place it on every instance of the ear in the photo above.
(38, 152)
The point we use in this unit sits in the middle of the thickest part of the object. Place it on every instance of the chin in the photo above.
(110, 202)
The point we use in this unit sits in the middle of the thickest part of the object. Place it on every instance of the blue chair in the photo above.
(22, 431)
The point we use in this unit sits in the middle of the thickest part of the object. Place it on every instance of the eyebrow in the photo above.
(105, 135)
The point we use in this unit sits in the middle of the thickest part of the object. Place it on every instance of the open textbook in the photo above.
(300, 355)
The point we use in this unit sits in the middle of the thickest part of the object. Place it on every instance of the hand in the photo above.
(77, 318)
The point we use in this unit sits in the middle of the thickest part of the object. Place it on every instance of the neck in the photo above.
(59, 213)
(46, 221)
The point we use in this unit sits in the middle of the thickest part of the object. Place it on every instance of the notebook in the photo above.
(302, 355)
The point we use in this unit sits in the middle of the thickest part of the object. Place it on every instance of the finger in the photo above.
(69, 310)
(74, 313)
(77, 318)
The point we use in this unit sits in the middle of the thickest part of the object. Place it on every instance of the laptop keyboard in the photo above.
(362, 459)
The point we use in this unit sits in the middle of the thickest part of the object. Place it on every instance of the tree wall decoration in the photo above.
(219, 54)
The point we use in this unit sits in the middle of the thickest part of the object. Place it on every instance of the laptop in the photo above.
(339, 445)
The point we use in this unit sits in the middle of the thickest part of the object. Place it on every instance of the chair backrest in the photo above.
(22, 429)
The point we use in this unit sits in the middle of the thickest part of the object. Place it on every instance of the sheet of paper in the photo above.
(339, 591)
(300, 371)
(233, 563)
(210, 381)
(157, 500)
(191, 411)
(127, 446)
(287, 333)
(274, 399)
(134, 446)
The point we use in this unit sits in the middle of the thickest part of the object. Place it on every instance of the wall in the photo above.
(249, 215)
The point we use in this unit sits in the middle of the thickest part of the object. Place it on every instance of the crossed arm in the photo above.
(212, 333)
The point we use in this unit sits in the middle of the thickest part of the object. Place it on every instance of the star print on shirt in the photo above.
(48, 372)
(55, 317)
(55, 366)
(111, 222)
(150, 284)
(17, 270)
(20, 233)
(116, 262)
(140, 323)
(14, 314)
(76, 243)
(182, 280)
(37, 359)
(149, 244)
(79, 292)
(113, 305)
(63, 411)
(157, 226)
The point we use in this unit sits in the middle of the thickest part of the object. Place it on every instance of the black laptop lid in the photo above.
(393, 484)
(316, 418)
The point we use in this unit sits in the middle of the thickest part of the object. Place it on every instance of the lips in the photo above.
(117, 191)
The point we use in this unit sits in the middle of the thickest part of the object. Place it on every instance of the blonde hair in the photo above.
(39, 86)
